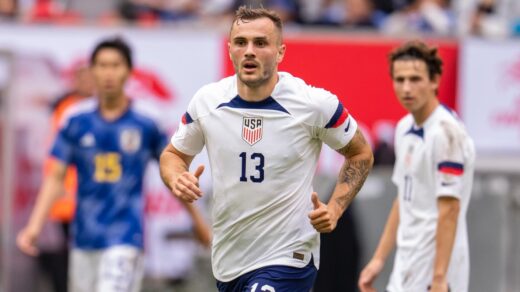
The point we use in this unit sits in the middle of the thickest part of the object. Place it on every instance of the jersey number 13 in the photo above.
(257, 158)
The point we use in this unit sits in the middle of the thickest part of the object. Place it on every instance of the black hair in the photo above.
(116, 43)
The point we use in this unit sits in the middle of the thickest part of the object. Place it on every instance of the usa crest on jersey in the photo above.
(252, 128)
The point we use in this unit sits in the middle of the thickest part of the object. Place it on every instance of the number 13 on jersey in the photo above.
(258, 159)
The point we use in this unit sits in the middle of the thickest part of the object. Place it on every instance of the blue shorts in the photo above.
(273, 279)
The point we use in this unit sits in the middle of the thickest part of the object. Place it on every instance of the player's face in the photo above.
(256, 50)
(110, 72)
(413, 86)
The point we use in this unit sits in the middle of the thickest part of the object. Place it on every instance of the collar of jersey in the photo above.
(419, 131)
(267, 104)
(416, 131)
(122, 116)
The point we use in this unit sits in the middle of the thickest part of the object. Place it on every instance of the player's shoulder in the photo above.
(296, 87)
(404, 124)
(448, 128)
(447, 122)
(146, 109)
(80, 109)
(149, 114)
(298, 96)
(211, 95)
(216, 90)
(83, 106)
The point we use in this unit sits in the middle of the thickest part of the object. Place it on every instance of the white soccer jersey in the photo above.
(263, 156)
(432, 161)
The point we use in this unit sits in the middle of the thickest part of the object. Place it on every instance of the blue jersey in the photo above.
(111, 159)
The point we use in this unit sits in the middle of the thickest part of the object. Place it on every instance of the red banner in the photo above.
(356, 70)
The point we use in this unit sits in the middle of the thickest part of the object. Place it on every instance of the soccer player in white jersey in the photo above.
(434, 175)
(110, 139)
(263, 131)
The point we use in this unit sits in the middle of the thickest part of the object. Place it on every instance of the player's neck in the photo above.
(425, 112)
(257, 93)
(113, 107)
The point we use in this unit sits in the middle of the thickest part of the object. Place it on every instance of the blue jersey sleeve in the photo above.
(160, 140)
(62, 148)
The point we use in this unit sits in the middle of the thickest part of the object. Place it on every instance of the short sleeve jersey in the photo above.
(263, 156)
(111, 158)
(434, 160)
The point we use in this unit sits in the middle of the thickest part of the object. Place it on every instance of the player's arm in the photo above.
(174, 166)
(449, 208)
(449, 159)
(51, 189)
(385, 246)
(200, 227)
(358, 163)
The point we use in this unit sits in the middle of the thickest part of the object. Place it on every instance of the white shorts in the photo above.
(117, 268)
(415, 273)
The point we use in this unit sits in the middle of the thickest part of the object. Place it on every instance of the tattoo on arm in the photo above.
(354, 171)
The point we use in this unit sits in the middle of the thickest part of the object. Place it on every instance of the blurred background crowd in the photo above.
(489, 18)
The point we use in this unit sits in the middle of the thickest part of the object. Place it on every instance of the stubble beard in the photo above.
(257, 82)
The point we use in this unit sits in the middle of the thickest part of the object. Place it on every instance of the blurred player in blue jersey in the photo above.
(433, 172)
(110, 139)
(263, 131)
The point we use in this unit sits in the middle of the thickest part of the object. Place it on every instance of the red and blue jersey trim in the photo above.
(338, 118)
(450, 167)
(186, 119)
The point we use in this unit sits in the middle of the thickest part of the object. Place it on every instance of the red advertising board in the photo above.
(356, 70)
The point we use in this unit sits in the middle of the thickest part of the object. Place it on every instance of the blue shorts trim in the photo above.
(273, 279)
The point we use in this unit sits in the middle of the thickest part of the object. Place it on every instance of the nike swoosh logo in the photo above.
(445, 184)
(348, 126)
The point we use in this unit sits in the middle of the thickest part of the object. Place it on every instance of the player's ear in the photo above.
(281, 53)
(435, 81)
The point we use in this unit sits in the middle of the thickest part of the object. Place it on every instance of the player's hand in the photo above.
(186, 185)
(369, 274)
(439, 286)
(26, 241)
(323, 218)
